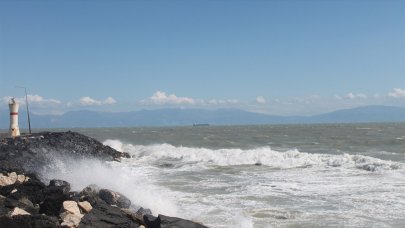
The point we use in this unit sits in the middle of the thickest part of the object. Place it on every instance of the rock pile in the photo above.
(25, 201)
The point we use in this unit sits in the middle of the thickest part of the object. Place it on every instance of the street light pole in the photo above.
(28, 112)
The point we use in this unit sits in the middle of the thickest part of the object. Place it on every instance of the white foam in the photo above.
(258, 156)
(133, 182)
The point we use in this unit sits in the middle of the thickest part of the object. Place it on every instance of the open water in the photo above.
(350, 175)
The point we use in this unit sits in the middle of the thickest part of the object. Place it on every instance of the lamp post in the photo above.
(26, 102)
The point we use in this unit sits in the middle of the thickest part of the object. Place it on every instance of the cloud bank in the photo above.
(33, 99)
(397, 93)
(88, 101)
(261, 100)
(162, 98)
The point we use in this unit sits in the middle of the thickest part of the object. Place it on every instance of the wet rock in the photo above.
(74, 196)
(171, 222)
(139, 214)
(29, 221)
(104, 215)
(44, 221)
(39, 149)
(90, 191)
(8, 204)
(132, 215)
(54, 196)
(163, 221)
(31, 189)
(20, 221)
(114, 198)
(151, 221)
(60, 184)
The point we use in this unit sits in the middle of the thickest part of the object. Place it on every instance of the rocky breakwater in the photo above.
(26, 201)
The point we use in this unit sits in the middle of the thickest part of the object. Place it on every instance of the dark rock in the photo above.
(55, 194)
(7, 204)
(29, 153)
(19, 221)
(114, 198)
(104, 215)
(75, 196)
(151, 221)
(91, 190)
(35, 221)
(143, 211)
(61, 184)
(173, 222)
(163, 221)
(90, 194)
(31, 189)
(43, 221)
(6, 190)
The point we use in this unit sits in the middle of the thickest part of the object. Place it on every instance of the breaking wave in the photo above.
(172, 156)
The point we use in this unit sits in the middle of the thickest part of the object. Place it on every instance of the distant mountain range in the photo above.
(181, 117)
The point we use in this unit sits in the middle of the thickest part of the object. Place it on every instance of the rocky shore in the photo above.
(25, 201)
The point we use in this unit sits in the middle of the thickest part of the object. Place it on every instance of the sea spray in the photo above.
(130, 181)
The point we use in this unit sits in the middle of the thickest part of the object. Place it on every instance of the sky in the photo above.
(277, 57)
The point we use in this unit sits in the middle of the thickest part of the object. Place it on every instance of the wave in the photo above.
(172, 156)
(133, 182)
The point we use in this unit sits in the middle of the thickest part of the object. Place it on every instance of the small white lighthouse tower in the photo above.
(14, 129)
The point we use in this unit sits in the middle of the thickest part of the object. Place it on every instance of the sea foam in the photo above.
(258, 156)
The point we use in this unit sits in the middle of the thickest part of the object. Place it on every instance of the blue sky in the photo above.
(276, 57)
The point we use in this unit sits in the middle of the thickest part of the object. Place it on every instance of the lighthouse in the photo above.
(14, 129)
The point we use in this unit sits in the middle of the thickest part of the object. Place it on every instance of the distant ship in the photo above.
(200, 125)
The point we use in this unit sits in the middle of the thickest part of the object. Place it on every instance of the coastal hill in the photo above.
(188, 117)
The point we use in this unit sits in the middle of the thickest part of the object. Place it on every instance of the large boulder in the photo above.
(163, 221)
(104, 215)
(54, 195)
(114, 198)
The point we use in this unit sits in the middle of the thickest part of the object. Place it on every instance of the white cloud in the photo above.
(162, 98)
(261, 100)
(352, 96)
(33, 99)
(397, 93)
(109, 101)
(213, 102)
(40, 100)
(88, 101)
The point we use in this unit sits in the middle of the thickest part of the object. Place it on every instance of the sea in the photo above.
(321, 175)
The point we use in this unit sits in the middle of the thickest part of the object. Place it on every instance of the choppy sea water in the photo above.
(350, 175)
